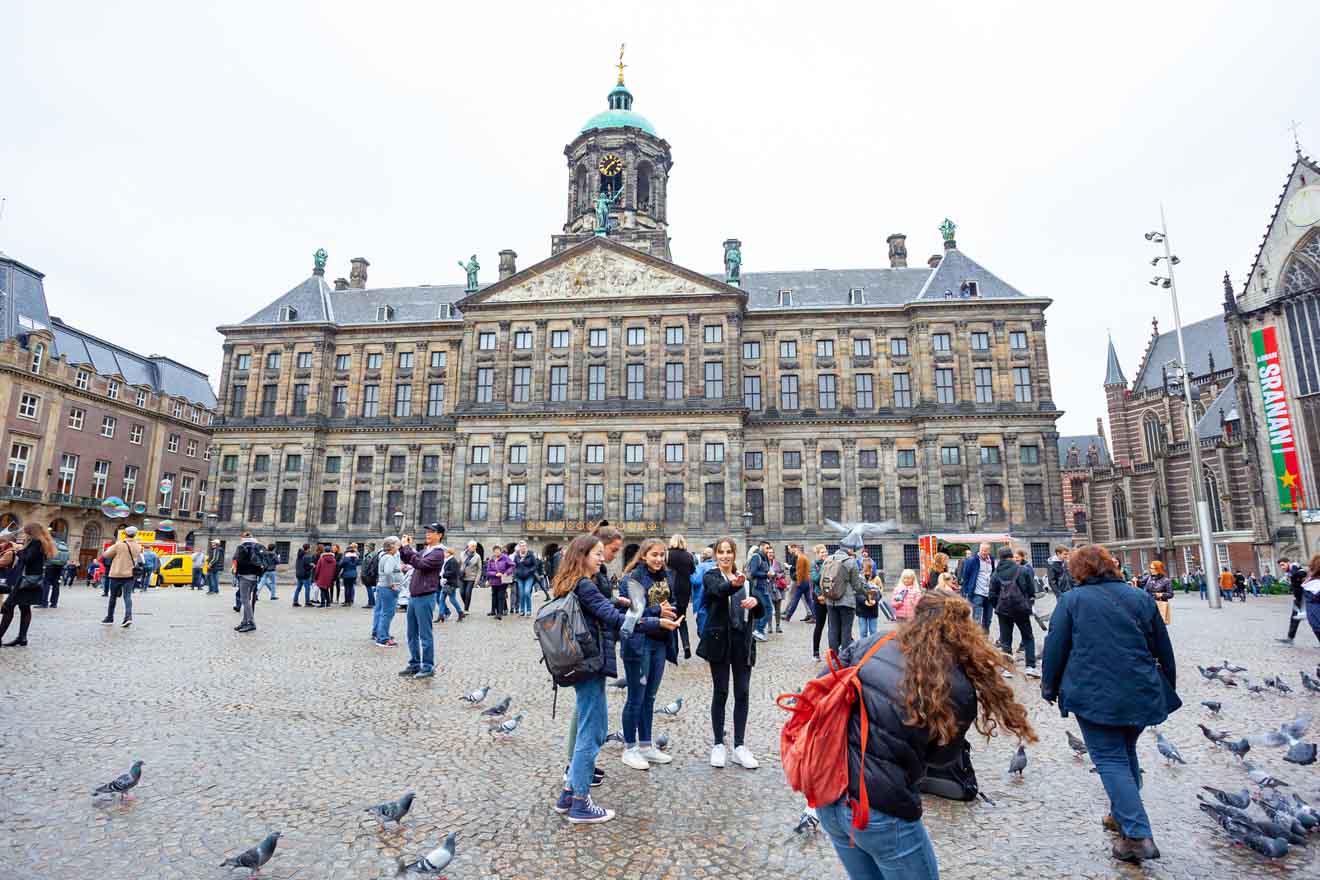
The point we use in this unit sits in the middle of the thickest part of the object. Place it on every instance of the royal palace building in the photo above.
(606, 381)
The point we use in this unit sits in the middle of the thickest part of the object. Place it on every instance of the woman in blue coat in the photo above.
(646, 582)
(1098, 628)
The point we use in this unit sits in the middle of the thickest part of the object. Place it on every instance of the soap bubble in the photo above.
(115, 507)
(140, 507)
(165, 525)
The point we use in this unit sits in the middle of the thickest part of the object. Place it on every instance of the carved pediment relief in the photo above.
(600, 273)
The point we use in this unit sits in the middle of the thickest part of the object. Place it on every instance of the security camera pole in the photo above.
(1209, 563)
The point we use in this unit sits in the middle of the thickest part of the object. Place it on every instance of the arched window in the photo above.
(1118, 505)
(91, 539)
(1211, 489)
(1154, 434)
(644, 173)
(59, 530)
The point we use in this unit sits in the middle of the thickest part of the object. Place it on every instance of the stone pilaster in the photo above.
(693, 508)
(495, 485)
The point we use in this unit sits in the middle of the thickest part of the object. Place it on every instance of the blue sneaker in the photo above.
(584, 812)
(565, 801)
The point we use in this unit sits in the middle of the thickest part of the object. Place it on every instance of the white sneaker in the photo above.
(759, 636)
(744, 756)
(1032, 673)
(1006, 674)
(655, 756)
(634, 759)
(718, 755)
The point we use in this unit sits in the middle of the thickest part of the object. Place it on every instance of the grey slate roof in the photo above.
(1209, 425)
(828, 288)
(955, 268)
(1113, 371)
(315, 301)
(161, 374)
(21, 297)
(1083, 442)
(1202, 339)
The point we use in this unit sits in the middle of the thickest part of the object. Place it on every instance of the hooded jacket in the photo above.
(324, 572)
(1006, 571)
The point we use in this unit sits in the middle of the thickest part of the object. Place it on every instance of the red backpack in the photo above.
(813, 746)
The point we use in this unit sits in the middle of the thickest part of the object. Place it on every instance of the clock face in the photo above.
(610, 165)
(1304, 207)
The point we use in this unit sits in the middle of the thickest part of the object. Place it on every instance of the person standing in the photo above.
(939, 564)
(426, 564)
(758, 572)
(801, 568)
(778, 586)
(450, 585)
(699, 588)
(250, 561)
(25, 591)
(1012, 593)
(1310, 593)
(681, 567)
(976, 574)
(907, 595)
(348, 572)
(499, 572)
(121, 559)
(525, 565)
(324, 574)
(471, 568)
(1098, 627)
(302, 573)
(389, 576)
(1160, 588)
(727, 645)
(868, 609)
(54, 570)
(1059, 579)
(644, 651)
(1295, 577)
(841, 586)
(820, 611)
(215, 563)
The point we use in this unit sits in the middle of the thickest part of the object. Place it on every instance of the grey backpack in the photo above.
(568, 646)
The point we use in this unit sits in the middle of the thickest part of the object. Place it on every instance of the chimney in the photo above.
(341, 284)
(897, 250)
(934, 260)
(508, 264)
(357, 276)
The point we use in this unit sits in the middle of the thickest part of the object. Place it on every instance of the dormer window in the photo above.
(288, 313)
(384, 313)
(446, 311)
(786, 298)
(38, 355)
(970, 289)
(856, 297)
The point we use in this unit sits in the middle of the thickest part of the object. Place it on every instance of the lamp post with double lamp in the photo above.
(747, 518)
(1209, 565)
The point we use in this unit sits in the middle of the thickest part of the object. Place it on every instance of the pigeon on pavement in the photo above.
(1078, 747)
(1254, 687)
(1261, 778)
(508, 726)
(1241, 800)
(500, 708)
(673, 708)
(1310, 683)
(1287, 825)
(431, 864)
(1296, 729)
(616, 736)
(1239, 748)
(1213, 705)
(476, 696)
(1209, 674)
(1215, 736)
(1019, 762)
(620, 683)
(1300, 753)
(807, 821)
(393, 811)
(254, 858)
(662, 741)
(121, 784)
(1278, 684)
(1233, 668)
(1168, 749)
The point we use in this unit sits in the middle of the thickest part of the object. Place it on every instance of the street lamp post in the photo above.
(747, 518)
(211, 520)
(972, 519)
(398, 521)
(1208, 564)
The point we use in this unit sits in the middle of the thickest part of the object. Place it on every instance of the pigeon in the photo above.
(1261, 778)
(1296, 729)
(1300, 753)
(1215, 736)
(662, 741)
(121, 784)
(1078, 747)
(1278, 684)
(1228, 680)
(1239, 748)
(807, 821)
(254, 858)
(620, 683)
(1270, 739)
(1271, 827)
(1211, 673)
(1269, 847)
(431, 864)
(1241, 800)
(1019, 762)
(1233, 668)
(393, 811)
(1168, 749)
(673, 708)
(1213, 705)
(1255, 687)
(500, 708)
(1310, 683)
(508, 726)
(476, 696)
(616, 736)
(1305, 813)
(1287, 825)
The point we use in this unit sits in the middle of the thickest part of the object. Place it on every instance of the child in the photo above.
(868, 611)
(907, 595)
(947, 582)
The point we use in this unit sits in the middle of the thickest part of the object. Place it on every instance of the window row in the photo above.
(898, 345)
(827, 389)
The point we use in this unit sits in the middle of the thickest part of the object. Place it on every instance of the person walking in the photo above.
(801, 576)
(841, 588)
(868, 609)
(270, 560)
(1295, 577)
(681, 567)
(976, 574)
(1099, 626)
(1060, 580)
(1012, 593)
(922, 689)
(727, 645)
(324, 573)
(70, 573)
(644, 650)
(29, 559)
(53, 571)
(820, 611)
(499, 572)
(426, 564)
(389, 577)
(215, 563)
(122, 558)
(758, 572)
(1311, 595)
(150, 564)
(250, 563)
(348, 572)
(302, 573)
(451, 585)
(1159, 586)
(471, 568)
(577, 574)
(779, 587)
(525, 565)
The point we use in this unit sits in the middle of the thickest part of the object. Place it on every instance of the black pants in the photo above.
(50, 587)
(1295, 615)
(1023, 625)
(24, 616)
(349, 583)
(499, 600)
(821, 613)
(680, 608)
(325, 595)
(841, 624)
(720, 674)
(465, 592)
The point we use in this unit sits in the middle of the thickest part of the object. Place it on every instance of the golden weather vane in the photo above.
(621, 64)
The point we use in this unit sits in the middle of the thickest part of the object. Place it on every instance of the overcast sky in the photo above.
(171, 168)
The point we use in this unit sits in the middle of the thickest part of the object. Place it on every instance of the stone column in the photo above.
(694, 508)
(458, 481)
(810, 484)
(1053, 488)
(495, 492)
(735, 496)
(577, 362)
(445, 507)
(889, 488)
(376, 515)
(412, 480)
(852, 502)
(535, 480)
(695, 389)
(655, 369)
(573, 474)
(655, 493)
(614, 478)
(614, 389)
(503, 363)
(774, 487)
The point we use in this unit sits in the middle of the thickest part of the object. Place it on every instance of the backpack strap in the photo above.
(862, 806)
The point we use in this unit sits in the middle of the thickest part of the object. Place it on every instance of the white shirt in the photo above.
(983, 571)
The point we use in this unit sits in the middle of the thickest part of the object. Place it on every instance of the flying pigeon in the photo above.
(807, 821)
(1215, 736)
(1261, 778)
(1213, 705)
(1241, 800)
(673, 708)
(1168, 749)
(393, 811)
(1019, 762)
(1239, 748)
(254, 858)
(662, 741)
(856, 533)
(1078, 747)
(431, 864)
(500, 708)
(1310, 683)
(616, 736)
(476, 696)
(508, 726)
(121, 784)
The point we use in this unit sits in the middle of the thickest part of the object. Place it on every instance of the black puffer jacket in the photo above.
(897, 755)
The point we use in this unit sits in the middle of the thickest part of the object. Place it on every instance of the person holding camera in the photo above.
(727, 644)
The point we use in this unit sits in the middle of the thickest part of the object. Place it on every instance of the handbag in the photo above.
(1162, 605)
(138, 568)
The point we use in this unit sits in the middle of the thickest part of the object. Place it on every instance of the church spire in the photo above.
(621, 64)
(1114, 372)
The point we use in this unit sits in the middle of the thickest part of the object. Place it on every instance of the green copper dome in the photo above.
(620, 114)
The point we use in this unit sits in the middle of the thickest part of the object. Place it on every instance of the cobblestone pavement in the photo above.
(301, 725)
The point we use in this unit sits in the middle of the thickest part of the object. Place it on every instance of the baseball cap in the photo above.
(130, 531)
(436, 527)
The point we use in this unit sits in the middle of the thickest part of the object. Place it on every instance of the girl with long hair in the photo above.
(577, 574)
(868, 609)
(25, 592)
(727, 645)
(923, 690)
(907, 594)
(646, 584)
(819, 610)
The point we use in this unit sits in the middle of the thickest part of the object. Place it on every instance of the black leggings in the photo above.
(25, 619)
(821, 613)
(681, 608)
(499, 600)
(466, 592)
(742, 681)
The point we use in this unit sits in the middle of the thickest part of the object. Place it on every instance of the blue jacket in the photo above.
(971, 570)
(1100, 656)
(758, 569)
(604, 619)
(647, 627)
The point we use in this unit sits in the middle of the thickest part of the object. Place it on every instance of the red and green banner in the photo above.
(1278, 420)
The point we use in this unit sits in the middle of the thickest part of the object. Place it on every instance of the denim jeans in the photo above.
(981, 610)
(120, 587)
(447, 599)
(213, 581)
(303, 588)
(866, 626)
(764, 596)
(1114, 750)
(644, 669)
(591, 719)
(888, 848)
(421, 642)
(267, 582)
(801, 592)
(387, 601)
(525, 587)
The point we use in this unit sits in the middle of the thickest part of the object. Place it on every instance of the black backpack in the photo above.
(370, 574)
(569, 647)
(1012, 601)
(956, 781)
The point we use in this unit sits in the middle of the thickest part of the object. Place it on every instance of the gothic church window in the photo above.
(1211, 489)
(1118, 505)
(1154, 433)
